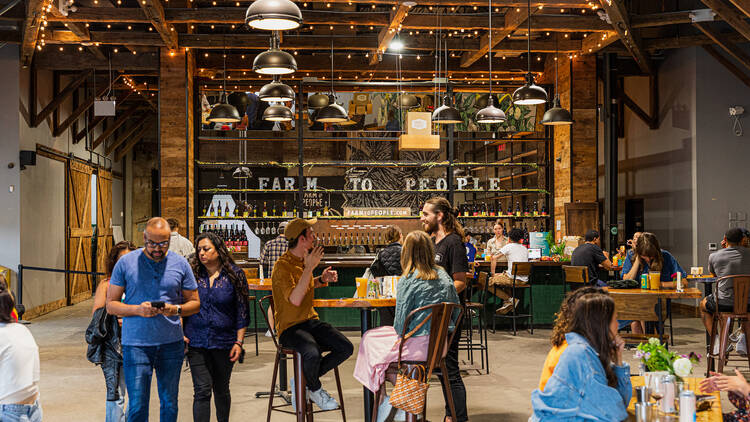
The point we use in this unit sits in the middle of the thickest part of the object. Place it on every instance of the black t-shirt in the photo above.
(450, 253)
(589, 255)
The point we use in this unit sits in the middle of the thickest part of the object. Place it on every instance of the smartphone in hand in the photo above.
(157, 304)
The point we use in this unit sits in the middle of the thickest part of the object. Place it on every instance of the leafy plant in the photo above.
(656, 357)
(554, 248)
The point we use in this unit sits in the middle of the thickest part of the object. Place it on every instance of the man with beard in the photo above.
(159, 288)
(438, 219)
(297, 323)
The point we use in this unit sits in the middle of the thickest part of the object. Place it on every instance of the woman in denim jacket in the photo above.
(590, 382)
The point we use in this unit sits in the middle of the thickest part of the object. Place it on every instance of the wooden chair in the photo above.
(519, 269)
(576, 275)
(251, 273)
(722, 321)
(304, 405)
(440, 317)
(640, 307)
(472, 309)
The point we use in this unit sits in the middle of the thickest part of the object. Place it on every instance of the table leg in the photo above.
(281, 391)
(368, 396)
(660, 323)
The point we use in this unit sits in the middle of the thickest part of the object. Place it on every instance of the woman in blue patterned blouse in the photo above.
(215, 334)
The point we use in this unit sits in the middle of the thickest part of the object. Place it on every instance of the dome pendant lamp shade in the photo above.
(557, 115)
(276, 91)
(332, 113)
(408, 101)
(317, 101)
(490, 114)
(274, 62)
(273, 15)
(224, 113)
(445, 114)
(278, 113)
(530, 93)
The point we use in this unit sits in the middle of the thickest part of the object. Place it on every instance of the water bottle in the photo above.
(687, 406)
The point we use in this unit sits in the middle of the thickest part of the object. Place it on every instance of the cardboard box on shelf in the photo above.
(571, 242)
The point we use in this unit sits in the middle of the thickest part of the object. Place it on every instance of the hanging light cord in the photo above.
(490, 54)
(528, 36)
(224, 89)
(556, 54)
(333, 93)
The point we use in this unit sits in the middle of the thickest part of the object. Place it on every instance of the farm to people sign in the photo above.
(428, 183)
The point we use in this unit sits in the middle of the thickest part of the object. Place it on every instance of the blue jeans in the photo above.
(21, 412)
(116, 408)
(138, 363)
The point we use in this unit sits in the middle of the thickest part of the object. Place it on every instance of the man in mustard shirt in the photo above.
(297, 323)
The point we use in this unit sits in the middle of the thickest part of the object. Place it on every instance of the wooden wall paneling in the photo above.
(104, 240)
(580, 217)
(78, 286)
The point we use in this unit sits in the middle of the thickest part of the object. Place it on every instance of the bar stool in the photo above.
(574, 274)
(722, 321)
(519, 269)
(476, 309)
(304, 405)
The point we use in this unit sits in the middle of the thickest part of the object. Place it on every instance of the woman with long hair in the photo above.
(388, 263)
(563, 319)
(216, 333)
(422, 283)
(19, 366)
(649, 256)
(590, 378)
(107, 328)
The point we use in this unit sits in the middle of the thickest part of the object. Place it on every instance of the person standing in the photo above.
(19, 366)
(159, 288)
(591, 256)
(272, 251)
(388, 263)
(495, 245)
(177, 242)
(439, 220)
(297, 323)
(106, 350)
(216, 333)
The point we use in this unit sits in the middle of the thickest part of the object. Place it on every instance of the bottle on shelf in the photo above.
(493, 210)
(484, 210)
(526, 212)
(465, 210)
(518, 209)
(211, 210)
(326, 211)
(544, 210)
(283, 211)
(255, 210)
(273, 208)
(203, 211)
(265, 210)
(226, 210)
(536, 209)
(509, 212)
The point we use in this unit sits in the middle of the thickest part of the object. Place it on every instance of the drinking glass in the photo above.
(656, 388)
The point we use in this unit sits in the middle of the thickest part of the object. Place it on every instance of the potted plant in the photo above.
(655, 358)
(556, 250)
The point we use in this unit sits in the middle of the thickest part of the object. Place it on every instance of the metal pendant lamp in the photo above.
(224, 113)
(274, 61)
(273, 15)
(530, 93)
(278, 113)
(332, 113)
(276, 91)
(445, 114)
(408, 101)
(317, 101)
(490, 114)
(556, 115)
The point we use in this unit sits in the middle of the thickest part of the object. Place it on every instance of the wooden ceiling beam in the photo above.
(620, 19)
(52, 58)
(513, 19)
(61, 97)
(480, 3)
(731, 48)
(31, 25)
(154, 11)
(730, 15)
(596, 42)
(133, 141)
(75, 114)
(742, 5)
(126, 134)
(387, 34)
(117, 123)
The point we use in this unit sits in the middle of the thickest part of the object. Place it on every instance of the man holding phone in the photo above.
(297, 323)
(159, 288)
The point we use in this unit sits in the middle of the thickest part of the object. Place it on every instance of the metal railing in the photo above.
(19, 284)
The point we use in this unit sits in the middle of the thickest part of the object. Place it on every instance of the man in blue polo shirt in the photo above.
(159, 288)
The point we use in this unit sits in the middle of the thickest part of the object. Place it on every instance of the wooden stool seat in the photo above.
(722, 322)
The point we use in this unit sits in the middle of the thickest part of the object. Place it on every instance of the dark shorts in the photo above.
(711, 305)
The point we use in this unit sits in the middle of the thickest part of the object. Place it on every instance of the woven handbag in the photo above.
(410, 392)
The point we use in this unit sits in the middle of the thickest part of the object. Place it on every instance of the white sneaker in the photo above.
(294, 396)
(400, 416)
(323, 399)
(715, 350)
(268, 333)
(741, 345)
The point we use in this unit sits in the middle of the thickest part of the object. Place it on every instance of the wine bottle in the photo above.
(509, 211)
(518, 209)
(325, 209)
(203, 212)
(265, 210)
(273, 208)
(536, 209)
(484, 210)
(544, 210)
(211, 210)
(526, 212)
(226, 210)
(283, 211)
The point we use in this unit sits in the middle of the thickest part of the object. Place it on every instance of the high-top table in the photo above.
(694, 384)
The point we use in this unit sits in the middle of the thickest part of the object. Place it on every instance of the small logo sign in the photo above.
(419, 124)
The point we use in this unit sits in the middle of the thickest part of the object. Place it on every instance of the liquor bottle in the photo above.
(493, 210)
(325, 209)
(518, 209)
(536, 209)
(526, 212)
(318, 212)
(283, 211)
(544, 210)
(465, 208)
(255, 210)
(294, 212)
(211, 210)
(265, 210)
(226, 210)
(509, 212)
(273, 208)
(203, 212)
(484, 210)
(243, 236)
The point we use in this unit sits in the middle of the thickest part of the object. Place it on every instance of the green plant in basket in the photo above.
(555, 249)
(656, 357)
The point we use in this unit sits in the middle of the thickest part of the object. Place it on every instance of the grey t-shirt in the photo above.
(729, 261)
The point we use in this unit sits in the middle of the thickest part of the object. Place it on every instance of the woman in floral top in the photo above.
(738, 393)
(215, 334)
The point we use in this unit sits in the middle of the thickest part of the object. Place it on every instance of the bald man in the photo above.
(159, 288)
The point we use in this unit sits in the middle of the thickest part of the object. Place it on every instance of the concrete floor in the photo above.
(73, 389)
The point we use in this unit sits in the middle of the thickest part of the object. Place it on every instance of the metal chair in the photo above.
(304, 405)
(472, 309)
(440, 317)
(722, 321)
(519, 269)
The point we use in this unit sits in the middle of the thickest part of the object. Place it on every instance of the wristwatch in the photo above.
(179, 310)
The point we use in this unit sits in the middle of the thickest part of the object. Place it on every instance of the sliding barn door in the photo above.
(103, 219)
(79, 286)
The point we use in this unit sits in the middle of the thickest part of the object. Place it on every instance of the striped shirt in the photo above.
(271, 253)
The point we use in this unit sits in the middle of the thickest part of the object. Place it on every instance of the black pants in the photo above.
(211, 370)
(311, 338)
(458, 389)
(387, 316)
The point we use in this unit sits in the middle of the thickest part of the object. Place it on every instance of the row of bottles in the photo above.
(491, 210)
(233, 235)
(347, 238)
(488, 227)
(245, 209)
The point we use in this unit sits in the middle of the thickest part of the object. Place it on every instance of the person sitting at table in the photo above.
(590, 381)
(630, 255)
(297, 323)
(422, 283)
(591, 256)
(514, 251)
(563, 319)
(732, 260)
(738, 393)
(471, 250)
(494, 246)
(649, 256)
(388, 263)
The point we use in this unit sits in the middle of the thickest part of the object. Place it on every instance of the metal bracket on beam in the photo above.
(702, 15)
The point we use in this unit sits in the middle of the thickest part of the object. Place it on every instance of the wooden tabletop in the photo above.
(255, 284)
(689, 293)
(711, 415)
(353, 303)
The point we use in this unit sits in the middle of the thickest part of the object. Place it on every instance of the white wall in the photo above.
(10, 202)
